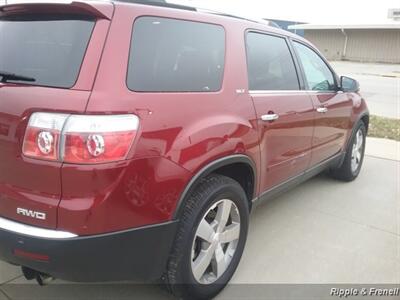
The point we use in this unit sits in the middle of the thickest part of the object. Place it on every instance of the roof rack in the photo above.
(164, 3)
(218, 13)
(161, 3)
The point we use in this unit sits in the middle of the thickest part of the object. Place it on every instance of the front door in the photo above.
(332, 107)
(285, 114)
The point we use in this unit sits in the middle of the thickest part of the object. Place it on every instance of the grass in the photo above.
(386, 128)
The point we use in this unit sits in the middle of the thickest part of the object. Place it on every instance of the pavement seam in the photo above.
(5, 294)
(380, 75)
(354, 222)
(384, 158)
(11, 280)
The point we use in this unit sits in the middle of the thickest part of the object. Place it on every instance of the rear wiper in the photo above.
(6, 76)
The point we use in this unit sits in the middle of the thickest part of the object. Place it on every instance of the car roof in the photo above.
(222, 18)
(262, 25)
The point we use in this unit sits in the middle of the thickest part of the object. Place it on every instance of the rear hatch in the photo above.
(59, 46)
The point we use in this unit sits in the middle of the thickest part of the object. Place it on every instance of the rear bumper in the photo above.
(137, 254)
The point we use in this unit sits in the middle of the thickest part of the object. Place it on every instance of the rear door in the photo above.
(332, 107)
(284, 112)
(50, 47)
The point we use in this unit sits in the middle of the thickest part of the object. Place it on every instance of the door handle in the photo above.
(270, 117)
(322, 110)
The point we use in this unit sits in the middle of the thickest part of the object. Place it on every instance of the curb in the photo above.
(383, 148)
(388, 75)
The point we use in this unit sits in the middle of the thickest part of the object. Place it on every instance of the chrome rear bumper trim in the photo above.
(34, 231)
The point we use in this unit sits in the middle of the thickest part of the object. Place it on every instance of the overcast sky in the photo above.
(311, 11)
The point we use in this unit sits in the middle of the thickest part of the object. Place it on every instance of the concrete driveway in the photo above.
(323, 231)
(380, 85)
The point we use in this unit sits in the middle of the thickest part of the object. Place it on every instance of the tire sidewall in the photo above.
(236, 194)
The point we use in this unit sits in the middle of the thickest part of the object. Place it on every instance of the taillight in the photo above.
(43, 135)
(94, 139)
(81, 139)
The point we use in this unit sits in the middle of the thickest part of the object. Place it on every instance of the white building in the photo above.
(365, 43)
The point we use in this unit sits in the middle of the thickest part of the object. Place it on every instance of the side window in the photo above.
(318, 76)
(169, 55)
(270, 64)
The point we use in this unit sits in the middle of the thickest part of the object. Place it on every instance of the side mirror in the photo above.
(349, 85)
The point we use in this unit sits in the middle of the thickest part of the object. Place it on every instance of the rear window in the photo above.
(169, 55)
(49, 49)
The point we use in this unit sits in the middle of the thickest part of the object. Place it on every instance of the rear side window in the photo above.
(270, 63)
(47, 48)
(169, 55)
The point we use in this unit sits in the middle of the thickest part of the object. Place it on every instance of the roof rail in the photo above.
(164, 3)
(161, 3)
(218, 13)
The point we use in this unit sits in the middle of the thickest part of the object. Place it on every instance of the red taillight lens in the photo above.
(95, 148)
(41, 143)
(42, 137)
(81, 139)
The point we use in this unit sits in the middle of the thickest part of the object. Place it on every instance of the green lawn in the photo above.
(384, 128)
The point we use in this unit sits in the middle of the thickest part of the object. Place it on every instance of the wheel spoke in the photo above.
(219, 263)
(358, 157)
(354, 151)
(205, 231)
(202, 262)
(359, 140)
(353, 164)
(230, 234)
(224, 210)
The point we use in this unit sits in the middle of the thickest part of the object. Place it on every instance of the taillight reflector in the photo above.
(31, 255)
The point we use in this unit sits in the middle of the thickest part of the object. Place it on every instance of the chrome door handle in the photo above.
(270, 117)
(322, 110)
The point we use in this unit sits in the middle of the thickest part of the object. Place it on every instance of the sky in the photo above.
(310, 11)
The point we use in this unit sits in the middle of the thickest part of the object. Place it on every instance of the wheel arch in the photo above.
(365, 119)
(231, 166)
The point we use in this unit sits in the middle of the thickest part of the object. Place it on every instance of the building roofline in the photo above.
(357, 26)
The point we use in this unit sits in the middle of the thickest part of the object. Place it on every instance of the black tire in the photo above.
(345, 171)
(179, 277)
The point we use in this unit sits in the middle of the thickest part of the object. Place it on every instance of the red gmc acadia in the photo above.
(136, 137)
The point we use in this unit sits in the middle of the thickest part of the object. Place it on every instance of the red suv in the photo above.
(135, 138)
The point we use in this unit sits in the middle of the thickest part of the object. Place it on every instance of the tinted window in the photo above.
(49, 49)
(318, 76)
(176, 56)
(270, 64)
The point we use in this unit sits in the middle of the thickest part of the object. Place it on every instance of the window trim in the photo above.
(299, 74)
(174, 92)
(306, 86)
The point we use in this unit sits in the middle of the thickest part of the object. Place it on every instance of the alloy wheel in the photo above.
(357, 151)
(215, 241)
